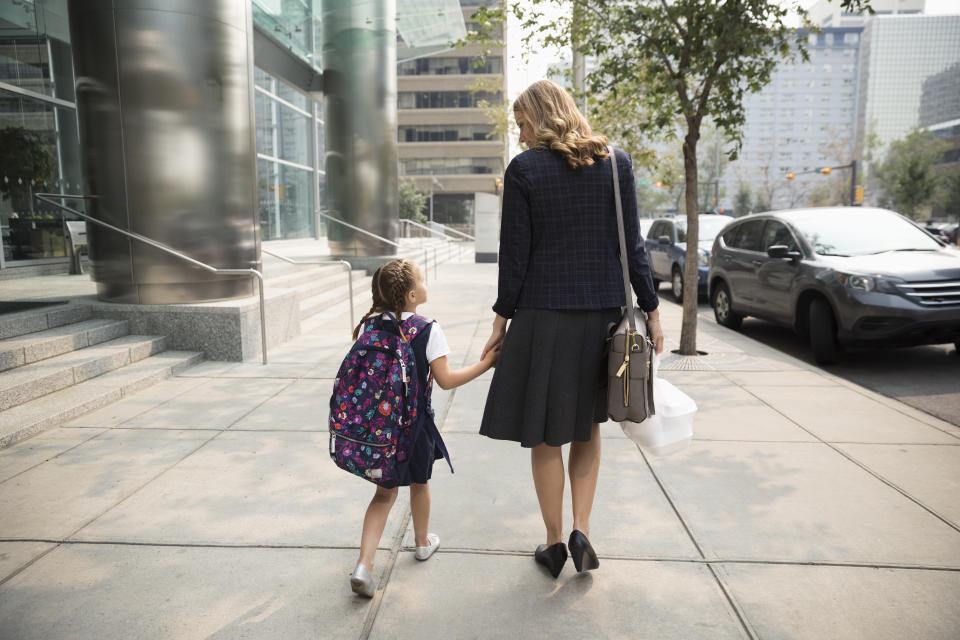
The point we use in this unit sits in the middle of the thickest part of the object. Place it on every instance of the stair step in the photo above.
(30, 418)
(33, 347)
(315, 287)
(18, 324)
(305, 274)
(47, 376)
(312, 305)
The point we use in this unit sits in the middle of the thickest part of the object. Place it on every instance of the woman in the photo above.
(561, 283)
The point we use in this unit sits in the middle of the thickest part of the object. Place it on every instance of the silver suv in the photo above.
(839, 275)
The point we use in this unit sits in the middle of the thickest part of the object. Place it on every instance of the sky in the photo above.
(521, 74)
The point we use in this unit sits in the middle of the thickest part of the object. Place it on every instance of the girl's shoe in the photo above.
(425, 552)
(584, 557)
(362, 582)
(552, 557)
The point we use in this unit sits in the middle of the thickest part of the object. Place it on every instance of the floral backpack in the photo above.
(373, 409)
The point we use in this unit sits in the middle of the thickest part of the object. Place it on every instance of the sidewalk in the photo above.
(207, 507)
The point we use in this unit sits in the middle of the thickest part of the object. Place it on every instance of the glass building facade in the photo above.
(39, 139)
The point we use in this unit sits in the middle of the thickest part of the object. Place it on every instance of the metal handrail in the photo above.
(343, 263)
(426, 261)
(443, 229)
(45, 197)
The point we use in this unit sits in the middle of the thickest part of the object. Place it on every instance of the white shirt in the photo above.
(437, 346)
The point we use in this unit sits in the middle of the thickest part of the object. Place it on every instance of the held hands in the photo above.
(656, 331)
(489, 358)
(496, 336)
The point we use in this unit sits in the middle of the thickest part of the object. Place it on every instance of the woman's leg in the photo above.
(584, 468)
(373, 524)
(420, 509)
(547, 463)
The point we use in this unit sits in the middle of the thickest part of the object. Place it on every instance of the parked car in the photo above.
(666, 244)
(839, 276)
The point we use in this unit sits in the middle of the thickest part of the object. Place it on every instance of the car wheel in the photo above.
(676, 285)
(722, 309)
(823, 333)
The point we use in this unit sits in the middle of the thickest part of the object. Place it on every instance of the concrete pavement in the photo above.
(207, 507)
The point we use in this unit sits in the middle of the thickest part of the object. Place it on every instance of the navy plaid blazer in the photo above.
(558, 236)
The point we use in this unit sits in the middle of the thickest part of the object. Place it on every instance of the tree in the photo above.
(950, 196)
(742, 205)
(24, 164)
(412, 202)
(907, 175)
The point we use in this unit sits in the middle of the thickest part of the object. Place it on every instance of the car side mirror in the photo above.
(782, 252)
(664, 240)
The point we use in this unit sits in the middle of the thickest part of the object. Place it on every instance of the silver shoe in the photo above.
(362, 582)
(422, 553)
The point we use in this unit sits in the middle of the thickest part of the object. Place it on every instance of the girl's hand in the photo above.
(496, 337)
(490, 358)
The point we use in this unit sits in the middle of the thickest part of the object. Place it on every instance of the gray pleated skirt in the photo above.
(550, 384)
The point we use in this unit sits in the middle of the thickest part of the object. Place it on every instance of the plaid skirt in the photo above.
(550, 384)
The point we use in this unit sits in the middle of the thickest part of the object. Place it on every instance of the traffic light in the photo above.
(791, 176)
(859, 198)
(826, 170)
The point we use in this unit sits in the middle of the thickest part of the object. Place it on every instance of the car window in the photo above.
(681, 228)
(749, 235)
(730, 235)
(777, 233)
(654, 229)
(851, 231)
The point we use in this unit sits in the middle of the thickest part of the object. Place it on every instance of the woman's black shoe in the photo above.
(584, 557)
(552, 557)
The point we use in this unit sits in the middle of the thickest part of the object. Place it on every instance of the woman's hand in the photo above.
(656, 331)
(489, 359)
(496, 336)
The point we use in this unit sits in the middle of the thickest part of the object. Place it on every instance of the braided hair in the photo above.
(391, 284)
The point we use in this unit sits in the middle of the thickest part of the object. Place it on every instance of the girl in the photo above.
(399, 287)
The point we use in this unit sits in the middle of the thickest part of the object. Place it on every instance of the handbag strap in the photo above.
(623, 241)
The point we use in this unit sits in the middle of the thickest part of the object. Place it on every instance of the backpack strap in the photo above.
(414, 325)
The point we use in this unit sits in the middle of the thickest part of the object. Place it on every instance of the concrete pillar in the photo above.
(360, 97)
(165, 104)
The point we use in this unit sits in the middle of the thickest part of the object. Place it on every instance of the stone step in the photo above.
(40, 345)
(312, 305)
(55, 408)
(23, 322)
(32, 381)
(312, 288)
(305, 274)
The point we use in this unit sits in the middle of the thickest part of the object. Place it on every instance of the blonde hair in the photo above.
(557, 124)
(390, 286)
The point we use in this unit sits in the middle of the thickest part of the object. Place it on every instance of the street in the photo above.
(926, 378)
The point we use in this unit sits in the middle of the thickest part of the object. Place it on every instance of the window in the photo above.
(777, 233)
(444, 99)
(748, 235)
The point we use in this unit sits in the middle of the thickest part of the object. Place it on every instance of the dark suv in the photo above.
(839, 275)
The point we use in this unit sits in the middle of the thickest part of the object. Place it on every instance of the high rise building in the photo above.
(446, 139)
(899, 54)
(803, 119)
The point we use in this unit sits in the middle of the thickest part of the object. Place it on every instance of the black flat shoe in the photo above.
(552, 557)
(584, 557)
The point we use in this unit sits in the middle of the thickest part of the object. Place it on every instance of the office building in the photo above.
(803, 119)
(900, 53)
(447, 143)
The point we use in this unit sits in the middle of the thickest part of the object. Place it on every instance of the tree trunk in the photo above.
(688, 331)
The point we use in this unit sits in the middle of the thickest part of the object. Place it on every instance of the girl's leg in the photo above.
(373, 524)
(420, 509)
(547, 463)
(584, 468)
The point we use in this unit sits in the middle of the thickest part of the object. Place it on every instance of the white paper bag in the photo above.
(670, 429)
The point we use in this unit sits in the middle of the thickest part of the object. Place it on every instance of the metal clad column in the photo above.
(164, 99)
(360, 94)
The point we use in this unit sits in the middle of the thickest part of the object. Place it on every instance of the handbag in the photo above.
(630, 354)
